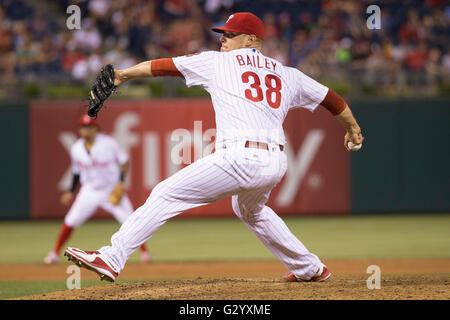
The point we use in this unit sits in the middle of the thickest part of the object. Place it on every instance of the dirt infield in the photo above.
(400, 280)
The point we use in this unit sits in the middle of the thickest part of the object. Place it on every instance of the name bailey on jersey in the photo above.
(255, 62)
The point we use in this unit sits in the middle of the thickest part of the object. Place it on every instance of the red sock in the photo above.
(143, 248)
(64, 234)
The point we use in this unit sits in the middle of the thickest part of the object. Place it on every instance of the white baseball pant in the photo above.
(89, 200)
(246, 174)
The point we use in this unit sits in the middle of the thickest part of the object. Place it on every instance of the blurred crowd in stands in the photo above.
(326, 39)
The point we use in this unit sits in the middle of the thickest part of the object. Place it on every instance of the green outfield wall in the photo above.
(14, 161)
(402, 167)
(404, 163)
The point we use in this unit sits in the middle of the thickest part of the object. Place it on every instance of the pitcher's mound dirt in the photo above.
(256, 280)
(339, 287)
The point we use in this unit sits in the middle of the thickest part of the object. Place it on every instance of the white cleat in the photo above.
(145, 257)
(51, 258)
(322, 274)
(92, 260)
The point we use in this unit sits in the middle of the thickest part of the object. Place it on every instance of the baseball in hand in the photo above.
(354, 147)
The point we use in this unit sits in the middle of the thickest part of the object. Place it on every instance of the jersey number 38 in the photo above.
(273, 92)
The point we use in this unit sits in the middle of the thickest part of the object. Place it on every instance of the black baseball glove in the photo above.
(101, 90)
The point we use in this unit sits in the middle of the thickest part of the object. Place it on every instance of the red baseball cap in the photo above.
(85, 120)
(243, 22)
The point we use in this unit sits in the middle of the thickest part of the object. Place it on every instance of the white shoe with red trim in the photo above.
(321, 275)
(94, 261)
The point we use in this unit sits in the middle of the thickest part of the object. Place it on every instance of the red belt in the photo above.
(260, 145)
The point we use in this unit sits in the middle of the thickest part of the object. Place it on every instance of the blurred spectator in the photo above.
(214, 6)
(46, 60)
(415, 64)
(25, 53)
(400, 51)
(271, 28)
(6, 35)
(360, 52)
(119, 57)
(378, 66)
(409, 31)
(87, 38)
(99, 8)
(446, 63)
(415, 60)
(433, 66)
(286, 29)
(326, 39)
(39, 24)
(177, 8)
(70, 58)
(343, 52)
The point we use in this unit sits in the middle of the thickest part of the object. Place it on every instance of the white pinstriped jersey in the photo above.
(251, 93)
(99, 168)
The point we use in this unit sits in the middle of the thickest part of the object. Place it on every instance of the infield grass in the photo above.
(388, 236)
(14, 289)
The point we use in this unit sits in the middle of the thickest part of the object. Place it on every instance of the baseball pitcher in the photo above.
(100, 166)
(251, 95)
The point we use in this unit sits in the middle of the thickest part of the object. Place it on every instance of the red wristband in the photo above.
(164, 67)
(333, 102)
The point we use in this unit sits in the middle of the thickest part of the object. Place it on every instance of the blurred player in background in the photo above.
(100, 166)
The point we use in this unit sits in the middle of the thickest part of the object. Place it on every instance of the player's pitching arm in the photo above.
(147, 69)
(353, 133)
(339, 108)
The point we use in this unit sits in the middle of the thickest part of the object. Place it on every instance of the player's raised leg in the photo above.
(200, 183)
(272, 231)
